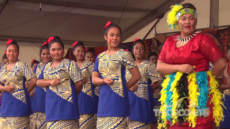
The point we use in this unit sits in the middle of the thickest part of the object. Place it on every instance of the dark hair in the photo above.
(44, 46)
(228, 48)
(108, 26)
(90, 49)
(34, 62)
(12, 42)
(152, 54)
(188, 5)
(78, 43)
(55, 39)
(138, 41)
(4, 57)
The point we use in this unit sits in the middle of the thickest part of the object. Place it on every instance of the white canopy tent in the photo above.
(26, 22)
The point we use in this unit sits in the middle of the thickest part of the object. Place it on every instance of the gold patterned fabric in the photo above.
(63, 124)
(33, 118)
(86, 70)
(66, 71)
(15, 78)
(14, 122)
(109, 66)
(138, 125)
(87, 121)
(112, 122)
(38, 121)
(148, 71)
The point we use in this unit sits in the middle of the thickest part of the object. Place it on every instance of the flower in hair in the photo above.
(9, 42)
(126, 49)
(108, 24)
(50, 39)
(86, 49)
(44, 43)
(135, 40)
(32, 61)
(75, 43)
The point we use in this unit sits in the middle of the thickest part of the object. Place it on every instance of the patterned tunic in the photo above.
(113, 100)
(143, 95)
(16, 105)
(61, 100)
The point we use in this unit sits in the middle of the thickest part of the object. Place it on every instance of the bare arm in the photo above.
(32, 84)
(78, 86)
(165, 68)
(219, 67)
(2, 88)
(43, 83)
(156, 85)
(135, 77)
(96, 79)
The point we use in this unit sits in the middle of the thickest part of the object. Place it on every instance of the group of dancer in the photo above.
(118, 90)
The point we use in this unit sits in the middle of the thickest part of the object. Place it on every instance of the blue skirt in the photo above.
(225, 123)
(155, 105)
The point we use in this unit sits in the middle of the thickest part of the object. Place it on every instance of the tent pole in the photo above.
(3, 6)
(153, 26)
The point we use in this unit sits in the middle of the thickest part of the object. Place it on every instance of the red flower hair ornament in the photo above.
(108, 24)
(50, 39)
(32, 61)
(75, 43)
(87, 49)
(135, 40)
(45, 43)
(127, 50)
(9, 42)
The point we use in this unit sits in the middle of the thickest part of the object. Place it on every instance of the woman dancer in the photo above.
(38, 104)
(63, 81)
(189, 87)
(109, 73)
(16, 107)
(142, 117)
(86, 97)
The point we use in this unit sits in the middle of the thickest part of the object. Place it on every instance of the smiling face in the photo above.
(56, 51)
(45, 55)
(113, 37)
(79, 53)
(12, 53)
(187, 23)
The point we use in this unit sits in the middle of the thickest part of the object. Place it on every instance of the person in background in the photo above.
(141, 94)
(153, 57)
(89, 54)
(109, 73)
(4, 59)
(86, 98)
(225, 87)
(62, 79)
(34, 63)
(16, 107)
(38, 120)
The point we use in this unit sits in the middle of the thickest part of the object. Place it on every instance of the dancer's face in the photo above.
(12, 53)
(187, 24)
(89, 56)
(113, 37)
(139, 51)
(56, 51)
(45, 56)
(153, 59)
(79, 53)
